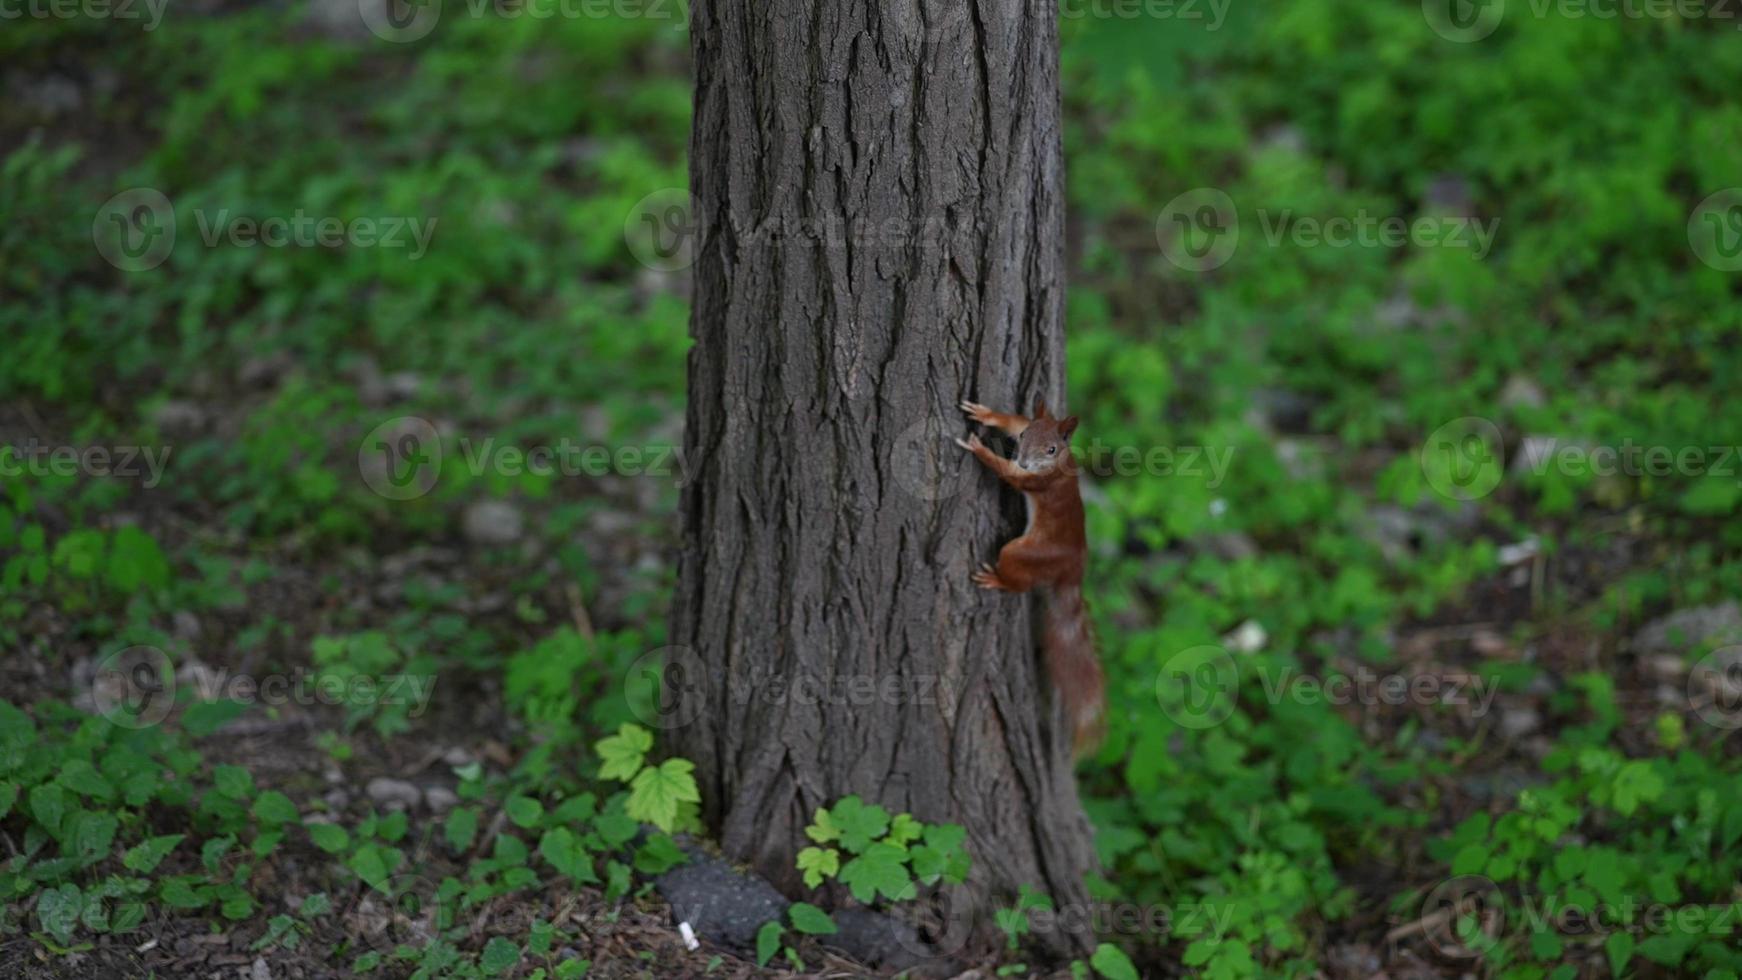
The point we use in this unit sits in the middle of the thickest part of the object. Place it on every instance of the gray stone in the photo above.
(494, 522)
(1687, 629)
(721, 905)
(394, 793)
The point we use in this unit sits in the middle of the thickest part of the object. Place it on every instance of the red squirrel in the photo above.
(1050, 553)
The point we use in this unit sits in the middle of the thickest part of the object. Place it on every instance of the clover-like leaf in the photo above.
(818, 863)
(621, 755)
(657, 791)
(880, 869)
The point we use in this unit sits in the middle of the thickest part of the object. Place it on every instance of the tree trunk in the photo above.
(878, 193)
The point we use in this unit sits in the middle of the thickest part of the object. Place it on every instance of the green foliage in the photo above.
(1309, 377)
(664, 794)
(887, 858)
(79, 789)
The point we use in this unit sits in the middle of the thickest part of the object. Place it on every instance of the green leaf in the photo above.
(859, 824)
(370, 864)
(1111, 962)
(621, 755)
(525, 811)
(567, 854)
(768, 941)
(127, 917)
(274, 807)
(329, 837)
(212, 852)
(461, 828)
(233, 781)
(509, 849)
(79, 553)
(822, 828)
(235, 904)
(48, 804)
(202, 718)
(658, 854)
(136, 562)
(1711, 497)
(879, 869)
(810, 920)
(92, 834)
(146, 856)
(1619, 946)
(942, 854)
(8, 796)
(59, 909)
(81, 777)
(180, 893)
(818, 863)
(499, 956)
(658, 790)
(904, 829)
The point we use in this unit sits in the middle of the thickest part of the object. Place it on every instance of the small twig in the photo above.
(578, 610)
(33, 420)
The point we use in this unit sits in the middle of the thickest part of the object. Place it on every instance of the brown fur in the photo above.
(1048, 555)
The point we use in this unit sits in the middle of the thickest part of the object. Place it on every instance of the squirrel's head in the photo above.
(1046, 443)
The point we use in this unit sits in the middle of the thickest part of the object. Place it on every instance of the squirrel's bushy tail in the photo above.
(1076, 671)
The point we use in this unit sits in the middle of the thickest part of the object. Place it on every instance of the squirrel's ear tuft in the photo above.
(1040, 408)
(1068, 426)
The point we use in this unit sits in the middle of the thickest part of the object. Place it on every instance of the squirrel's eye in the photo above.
(1052, 450)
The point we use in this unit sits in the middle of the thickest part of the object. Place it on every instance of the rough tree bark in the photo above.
(878, 192)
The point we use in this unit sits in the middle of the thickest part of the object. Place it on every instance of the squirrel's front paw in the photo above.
(977, 412)
(987, 578)
(971, 444)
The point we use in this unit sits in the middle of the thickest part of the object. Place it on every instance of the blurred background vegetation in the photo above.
(1319, 832)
